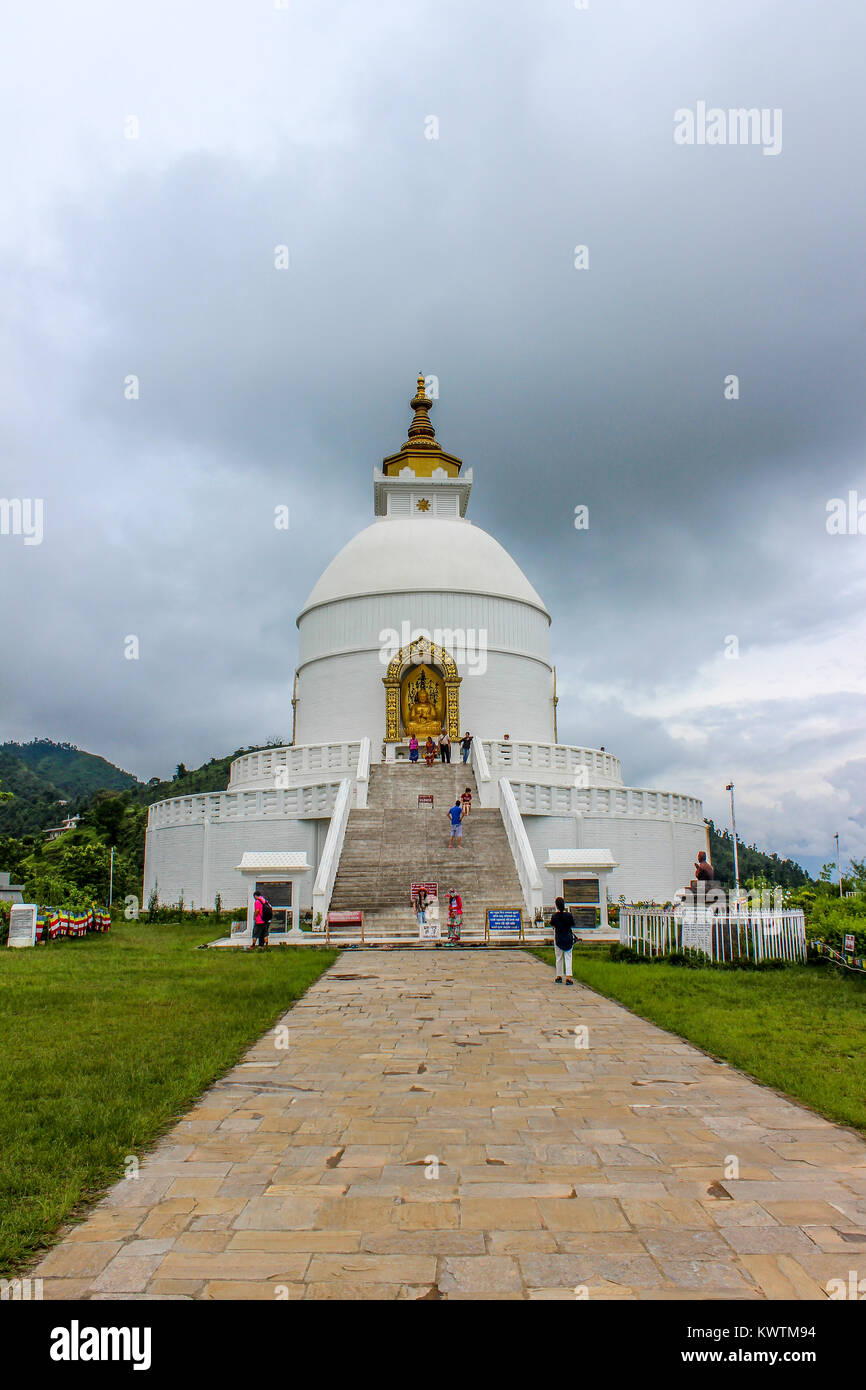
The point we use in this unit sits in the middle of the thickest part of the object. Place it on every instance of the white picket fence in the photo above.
(753, 934)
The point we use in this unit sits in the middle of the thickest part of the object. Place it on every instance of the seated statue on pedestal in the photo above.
(423, 720)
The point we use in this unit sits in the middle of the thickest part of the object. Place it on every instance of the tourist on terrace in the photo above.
(429, 752)
(466, 800)
(456, 816)
(445, 746)
(466, 746)
(413, 749)
(263, 912)
(563, 942)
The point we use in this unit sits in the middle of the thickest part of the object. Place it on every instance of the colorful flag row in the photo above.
(850, 961)
(52, 922)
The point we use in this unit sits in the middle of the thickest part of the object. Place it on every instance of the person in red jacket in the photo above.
(455, 916)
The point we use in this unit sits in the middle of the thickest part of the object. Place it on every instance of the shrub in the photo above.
(692, 960)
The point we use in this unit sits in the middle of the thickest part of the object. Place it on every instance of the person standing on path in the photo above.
(466, 746)
(262, 914)
(455, 815)
(413, 749)
(429, 752)
(563, 942)
(455, 916)
(445, 746)
(421, 907)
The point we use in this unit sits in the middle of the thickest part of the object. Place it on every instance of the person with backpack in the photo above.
(563, 942)
(263, 912)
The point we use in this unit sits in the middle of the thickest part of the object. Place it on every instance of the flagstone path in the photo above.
(434, 1129)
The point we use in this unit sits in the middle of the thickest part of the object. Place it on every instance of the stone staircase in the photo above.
(392, 844)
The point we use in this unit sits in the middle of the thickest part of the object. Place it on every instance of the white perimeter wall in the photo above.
(175, 858)
(655, 857)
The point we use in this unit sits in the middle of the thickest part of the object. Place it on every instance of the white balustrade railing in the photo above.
(757, 934)
(362, 774)
(485, 783)
(279, 767)
(521, 850)
(544, 798)
(333, 848)
(302, 803)
(561, 761)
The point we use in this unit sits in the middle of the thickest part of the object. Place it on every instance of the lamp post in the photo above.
(838, 866)
(111, 877)
(730, 788)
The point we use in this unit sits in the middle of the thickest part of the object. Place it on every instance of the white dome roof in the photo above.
(384, 558)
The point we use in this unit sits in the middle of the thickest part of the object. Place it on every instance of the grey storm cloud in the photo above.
(455, 256)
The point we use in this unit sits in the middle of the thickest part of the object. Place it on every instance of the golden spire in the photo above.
(421, 427)
(421, 452)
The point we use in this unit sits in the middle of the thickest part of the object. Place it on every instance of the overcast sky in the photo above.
(307, 126)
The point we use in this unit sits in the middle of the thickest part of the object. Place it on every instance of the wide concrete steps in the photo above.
(400, 784)
(392, 844)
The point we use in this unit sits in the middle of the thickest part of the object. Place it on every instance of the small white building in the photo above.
(424, 621)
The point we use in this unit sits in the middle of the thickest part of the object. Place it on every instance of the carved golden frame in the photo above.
(418, 652)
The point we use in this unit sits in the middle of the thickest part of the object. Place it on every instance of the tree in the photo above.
(180, 771)
(106, 815)
(857, 875)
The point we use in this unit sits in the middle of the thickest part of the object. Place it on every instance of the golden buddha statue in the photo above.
(423, 719)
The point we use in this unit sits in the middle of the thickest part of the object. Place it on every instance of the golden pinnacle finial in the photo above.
(421, 428)
(421, 453)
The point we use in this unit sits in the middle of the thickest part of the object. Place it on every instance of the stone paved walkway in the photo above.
(304, 1172)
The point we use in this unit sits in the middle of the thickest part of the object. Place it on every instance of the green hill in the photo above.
(73, 869)
(72, 771)
(753, 863)
(40, 774)
(33, 804)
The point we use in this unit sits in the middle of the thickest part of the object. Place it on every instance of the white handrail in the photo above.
(524, 859)
(478, 759)
(333, 848)
(362, 776)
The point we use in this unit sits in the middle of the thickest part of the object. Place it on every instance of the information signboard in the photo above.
(503, 920)
(697, 929)
(22, 925)
(431, 929)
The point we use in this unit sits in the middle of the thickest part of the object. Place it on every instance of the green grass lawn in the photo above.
(105, 1041)
(801, 1030)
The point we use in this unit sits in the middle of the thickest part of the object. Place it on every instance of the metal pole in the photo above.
(111, 878)
(730, 788)
(838, 866)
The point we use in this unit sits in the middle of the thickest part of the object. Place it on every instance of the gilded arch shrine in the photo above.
(422, 692)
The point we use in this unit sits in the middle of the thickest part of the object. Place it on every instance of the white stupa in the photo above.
(423, 622)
